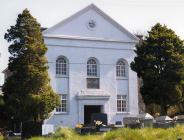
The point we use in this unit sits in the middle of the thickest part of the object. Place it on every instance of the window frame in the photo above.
(59, 109)
(121, 69)
(92, 69)
(62, 68)
(123, 109)
(93, 73)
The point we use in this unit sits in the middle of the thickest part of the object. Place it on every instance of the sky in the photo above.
(137, 16)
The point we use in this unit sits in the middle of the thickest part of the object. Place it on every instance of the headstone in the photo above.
(118, 123)
(179, 119)
(146, 119)
(99, 117)
(47, 128)
(131, 122)
(145, 116)
(163, 119)
(163, 122)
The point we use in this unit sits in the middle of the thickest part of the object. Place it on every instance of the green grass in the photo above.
(120, 134)
(10, 138)
(1, 137)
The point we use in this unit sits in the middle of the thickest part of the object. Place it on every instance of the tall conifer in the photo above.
(27, 92)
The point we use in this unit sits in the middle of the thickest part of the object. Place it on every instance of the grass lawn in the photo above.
(120, 134)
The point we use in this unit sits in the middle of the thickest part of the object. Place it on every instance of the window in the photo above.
(92, 68)
(92, 74)
(121, 103)
(91, 23)
(121, 69)
(61, 66)
(63, 107)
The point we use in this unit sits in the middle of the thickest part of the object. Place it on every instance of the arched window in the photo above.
(121, 69)
(92, 68)
(61, 66)
(93, 80)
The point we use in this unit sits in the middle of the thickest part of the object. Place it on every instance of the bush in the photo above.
(1, 137)
(30, 129)
(65, 133)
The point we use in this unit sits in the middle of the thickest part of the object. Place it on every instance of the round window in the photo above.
(91, 24)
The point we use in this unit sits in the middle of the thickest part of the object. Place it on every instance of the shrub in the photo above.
(30, 129)
(1, 137)
(65, 133)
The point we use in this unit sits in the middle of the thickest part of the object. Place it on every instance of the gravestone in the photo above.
(131, 122)
(146, 119)
(179, 119)
(163, 122)
(99, 117)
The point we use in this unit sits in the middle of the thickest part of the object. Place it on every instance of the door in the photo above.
(89, 110)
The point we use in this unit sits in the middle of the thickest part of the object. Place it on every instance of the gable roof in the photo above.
(95, 8)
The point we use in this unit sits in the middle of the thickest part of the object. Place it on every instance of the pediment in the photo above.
(90, 23)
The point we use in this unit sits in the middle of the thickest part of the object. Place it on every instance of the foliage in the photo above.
(160, 64)
(97, 123)
(79, 126)
(65, 133)
(1, 137)
(27, 92)
(173, 111)
(1, 107)
(121, 134)
(1, 101)
(31, 128)
(153, 109)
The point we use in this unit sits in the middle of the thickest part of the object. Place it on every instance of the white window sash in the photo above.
(61, 67)
(121, 69)
(122, 103)
(63, 107)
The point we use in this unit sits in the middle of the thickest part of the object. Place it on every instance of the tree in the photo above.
(28, 95)
(160, 64)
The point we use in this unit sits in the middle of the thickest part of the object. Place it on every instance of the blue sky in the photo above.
(134, 15)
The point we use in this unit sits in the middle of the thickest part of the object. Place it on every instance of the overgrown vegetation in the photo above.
(120, 134)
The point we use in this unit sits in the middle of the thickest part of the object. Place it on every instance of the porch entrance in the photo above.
(89, 110)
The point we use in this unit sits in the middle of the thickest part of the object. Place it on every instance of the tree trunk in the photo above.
(180, 107)
(163, 110)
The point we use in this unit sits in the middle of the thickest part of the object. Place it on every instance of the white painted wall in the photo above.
(77, 80)
(78, 51)
(103, 28)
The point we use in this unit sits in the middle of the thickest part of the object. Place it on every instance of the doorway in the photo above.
(89, 110)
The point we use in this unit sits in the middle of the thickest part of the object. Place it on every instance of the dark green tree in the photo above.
(27, 92)
(160, 64)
